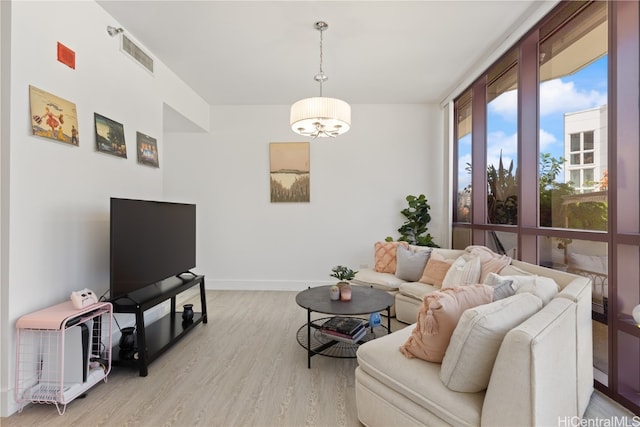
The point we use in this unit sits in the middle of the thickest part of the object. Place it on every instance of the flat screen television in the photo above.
(150, 241)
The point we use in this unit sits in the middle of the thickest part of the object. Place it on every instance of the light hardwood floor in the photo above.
(243, 368)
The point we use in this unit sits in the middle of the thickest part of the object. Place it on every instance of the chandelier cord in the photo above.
(322, 76)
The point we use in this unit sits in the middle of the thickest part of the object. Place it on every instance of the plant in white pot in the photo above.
(343, 274)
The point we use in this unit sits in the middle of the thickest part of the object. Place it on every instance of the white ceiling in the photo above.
(267, 52)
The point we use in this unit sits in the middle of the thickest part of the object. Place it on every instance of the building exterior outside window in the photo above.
(586, 149)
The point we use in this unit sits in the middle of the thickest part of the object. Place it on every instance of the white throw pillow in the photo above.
(465, 270)
(544, 288)
(476, 340)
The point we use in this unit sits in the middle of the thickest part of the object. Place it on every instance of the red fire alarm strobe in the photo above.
(66, 56)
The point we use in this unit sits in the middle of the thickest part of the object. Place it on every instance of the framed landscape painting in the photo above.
(53, 117)
(289, 170)
(110, 136)
(147, 150)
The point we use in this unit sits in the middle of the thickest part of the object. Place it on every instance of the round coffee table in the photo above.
(364, 300)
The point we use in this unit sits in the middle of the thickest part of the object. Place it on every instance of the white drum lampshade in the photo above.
(320, 117)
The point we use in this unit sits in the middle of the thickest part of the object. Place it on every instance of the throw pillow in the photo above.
(502, 288)
(544, 288)
(410, 264)
(385, 256)
(435, 270)
(491, 261)
(475, 342)
(464, 271)
(439, 316)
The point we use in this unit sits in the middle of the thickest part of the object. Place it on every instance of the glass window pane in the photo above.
(462, 111)
(502, 141)
(588, 140)
(461, 237)
(587, 178)
(502, 242)
(573, 102)
(575, 177)
(589, 259)
(575, 142)
(587, 158)
(575, 159)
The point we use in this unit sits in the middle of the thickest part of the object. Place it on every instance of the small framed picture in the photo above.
(110, 136)
(147, 150)
(53, 117)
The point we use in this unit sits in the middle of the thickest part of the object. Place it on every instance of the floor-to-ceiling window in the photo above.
(462, 178)
(553, 127)
(502, 152)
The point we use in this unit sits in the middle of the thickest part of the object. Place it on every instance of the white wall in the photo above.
(358, 185)
(57, 194)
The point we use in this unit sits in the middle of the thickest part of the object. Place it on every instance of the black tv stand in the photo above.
(154, 339)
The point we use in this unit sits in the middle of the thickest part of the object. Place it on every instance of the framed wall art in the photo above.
(289, 171)
(110, 136)
(53, 117)
(147, 148)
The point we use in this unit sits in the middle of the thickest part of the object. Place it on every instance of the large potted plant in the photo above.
(414, 230)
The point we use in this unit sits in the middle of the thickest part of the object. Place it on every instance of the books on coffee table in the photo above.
(344, 325)
(348, 329)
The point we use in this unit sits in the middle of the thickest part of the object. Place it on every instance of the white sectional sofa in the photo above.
(542, 373)
(408, 295)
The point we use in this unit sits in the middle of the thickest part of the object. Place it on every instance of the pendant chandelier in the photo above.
(320, 116)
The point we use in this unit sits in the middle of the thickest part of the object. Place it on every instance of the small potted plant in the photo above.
(343, 274)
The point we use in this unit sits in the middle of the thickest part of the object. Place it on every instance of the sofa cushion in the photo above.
(416, 380)
(436, 269)
(464, 271)
(438, 317)
(416, 290)
(385, 256)
(410, 264)
(544, 288)
(386, 281)
(475, 342)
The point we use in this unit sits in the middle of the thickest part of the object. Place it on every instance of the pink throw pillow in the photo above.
(439, 316)
(436, 270)
(385, 256)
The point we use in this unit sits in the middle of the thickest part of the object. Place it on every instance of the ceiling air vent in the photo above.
(129, 47)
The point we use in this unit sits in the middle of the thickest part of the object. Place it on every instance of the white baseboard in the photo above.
(263, 285)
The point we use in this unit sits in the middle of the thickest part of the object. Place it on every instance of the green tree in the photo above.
(502, 195)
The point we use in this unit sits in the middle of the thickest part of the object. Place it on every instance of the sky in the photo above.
(585, 89)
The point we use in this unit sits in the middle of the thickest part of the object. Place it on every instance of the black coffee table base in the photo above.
(364, 301)
(324, 344)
